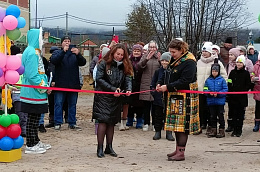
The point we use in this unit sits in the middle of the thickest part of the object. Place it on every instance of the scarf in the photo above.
(183, 58)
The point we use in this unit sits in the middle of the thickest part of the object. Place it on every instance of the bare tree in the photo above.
(196, 20)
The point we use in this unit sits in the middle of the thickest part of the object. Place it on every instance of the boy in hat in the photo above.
(216, 83)
(159, 112)
(238, 80)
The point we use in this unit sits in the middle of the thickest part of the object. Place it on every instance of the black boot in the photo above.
(100, 152)
(157, 135)
(50, 125)
(169, 136)
(234, 133)
(230, 127)
(239, 131)
(109, 150)
(42, 128)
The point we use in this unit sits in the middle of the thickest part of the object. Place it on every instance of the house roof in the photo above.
(87, 42)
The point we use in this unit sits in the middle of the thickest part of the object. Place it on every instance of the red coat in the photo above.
(257, 83)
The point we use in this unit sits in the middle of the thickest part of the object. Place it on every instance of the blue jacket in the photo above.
(34, 73)
(217, 84)
(67, 68)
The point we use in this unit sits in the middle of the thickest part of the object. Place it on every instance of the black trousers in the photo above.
(147, 109)
(51, 108)
(217, 114)
(257, 110)
(204, 113)
(132, 110)
(32, 126)
(238, 115)
(159, 118)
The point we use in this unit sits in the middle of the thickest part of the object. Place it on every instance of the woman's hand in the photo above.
(117, 92)
(163, 88)
(128, 93)
(150, 55)
(157, 87)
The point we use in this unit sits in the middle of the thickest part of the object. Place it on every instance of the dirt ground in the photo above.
(75, 151)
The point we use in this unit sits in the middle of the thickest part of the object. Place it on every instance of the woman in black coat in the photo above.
(113, 75)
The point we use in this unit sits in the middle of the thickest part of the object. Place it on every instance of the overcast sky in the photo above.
(110, 11)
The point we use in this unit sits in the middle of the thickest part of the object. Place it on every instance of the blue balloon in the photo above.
(13, 10)
(18, 142)
(6, 143)
(21, 22)
(1, 72)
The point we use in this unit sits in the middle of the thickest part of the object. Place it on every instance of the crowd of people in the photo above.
(120, 71)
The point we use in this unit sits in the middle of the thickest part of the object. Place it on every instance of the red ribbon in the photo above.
(103, 92)
(76, 90)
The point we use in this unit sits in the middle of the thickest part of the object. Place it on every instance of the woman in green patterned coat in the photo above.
(181, 108)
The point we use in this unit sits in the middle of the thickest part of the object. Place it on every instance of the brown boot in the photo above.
(221, 133)
(213, 132)
(179, 156)
(173, 153)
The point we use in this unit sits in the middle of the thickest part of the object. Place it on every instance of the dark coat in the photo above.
(217, 84)
(158, 96)
(67, 68)
(239, 80)
(179, 77)
(107, 107)
(136, 82)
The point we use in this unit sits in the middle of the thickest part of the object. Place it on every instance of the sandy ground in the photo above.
(74, 151)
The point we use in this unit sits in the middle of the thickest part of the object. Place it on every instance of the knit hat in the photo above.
(207, 48)
(235, 51)
(102, 46)
(166, 56)
(241, 59)
(105, 50)
(65, 37)
(146, 47)
(215, 66)
(229, 40)
(138, 47)
(180, 39)
(242, 48)
(216, 47)
(249, 47)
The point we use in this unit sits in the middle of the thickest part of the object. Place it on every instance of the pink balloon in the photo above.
(2, 29)
(13, 62)
(11, 77)
(10, 22)
(2, 81)
(3, 59)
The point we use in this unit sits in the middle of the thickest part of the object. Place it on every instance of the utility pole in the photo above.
(57, 32)
(36, 15)
(66, 23)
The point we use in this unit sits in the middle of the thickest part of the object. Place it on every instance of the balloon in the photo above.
(5, 121)
(2, 29)
(11, 77)
(20, 70)
(21, 22)
(13, 34)
(14, 119)
(2, 14)
(13, 131)
(6, 143)
(2, 82)
(2, 132)
(13, 10)
(3, 59)
(10, 22)
(1, 72)
(13, 62)
(18, 142)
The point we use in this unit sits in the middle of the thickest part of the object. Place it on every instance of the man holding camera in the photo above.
(67, 61)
